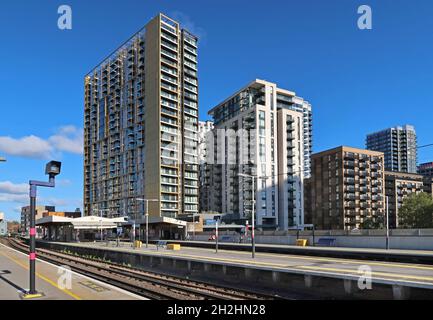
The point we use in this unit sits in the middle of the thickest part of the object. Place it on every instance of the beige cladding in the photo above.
(152, 176)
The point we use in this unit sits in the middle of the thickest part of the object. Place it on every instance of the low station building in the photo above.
(61, 228)
(88, 228)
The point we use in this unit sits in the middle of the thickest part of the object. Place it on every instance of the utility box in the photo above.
(301, 242)
(173, 246)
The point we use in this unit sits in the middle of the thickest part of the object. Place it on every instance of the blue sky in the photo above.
(358, 81)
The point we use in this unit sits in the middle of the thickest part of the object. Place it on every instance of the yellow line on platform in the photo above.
(265, 264)
(373, 273)
(73, 295)
(342, 261)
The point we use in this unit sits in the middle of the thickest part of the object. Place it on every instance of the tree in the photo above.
(373, 222)
(416, 211)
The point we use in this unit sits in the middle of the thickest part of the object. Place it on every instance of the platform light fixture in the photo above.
(52, 169)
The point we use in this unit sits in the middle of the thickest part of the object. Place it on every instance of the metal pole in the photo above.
(387, 223)
(139, 231)
(253, 242)
(216, 237)
(101, 225)
(314, 242)
(133, 234)
(147, 224)
(193, 224)
(32, 254)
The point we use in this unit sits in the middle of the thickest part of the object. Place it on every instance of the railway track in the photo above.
(147, 284)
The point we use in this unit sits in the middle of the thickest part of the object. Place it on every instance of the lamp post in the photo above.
(52, 169)
(216, 236)
(253, 242)
(194, 224)
(387, 223)
(147, 217)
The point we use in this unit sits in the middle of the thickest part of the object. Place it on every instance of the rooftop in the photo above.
(257, 83)
(348, 149)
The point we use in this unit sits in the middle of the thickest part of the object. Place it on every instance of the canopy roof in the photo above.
(87, 222)
(96, 222)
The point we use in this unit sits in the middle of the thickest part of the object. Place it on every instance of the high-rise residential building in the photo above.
(347, 188)
(398, 186)
(264, 131)
(399, 144)
(205, 171)
(141, 124)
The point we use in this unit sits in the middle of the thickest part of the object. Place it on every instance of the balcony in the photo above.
(349, 196)
(349, 204)
(364, 197)
(169, 37)
(349, 163)
(349, 180)
(349, 172)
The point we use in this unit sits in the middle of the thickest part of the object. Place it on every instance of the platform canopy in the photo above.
(88, 222)
(157, 220)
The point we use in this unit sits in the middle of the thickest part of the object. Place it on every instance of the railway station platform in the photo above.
(55, 283)
(329, 277)
(393, 255)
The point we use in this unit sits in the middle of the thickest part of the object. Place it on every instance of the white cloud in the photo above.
(29, 147)
(19, 198)
(12, 188)
(67, 139)
(186, 22)
(12, 192)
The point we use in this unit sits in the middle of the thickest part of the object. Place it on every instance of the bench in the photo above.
(161, 243)
(329, 242)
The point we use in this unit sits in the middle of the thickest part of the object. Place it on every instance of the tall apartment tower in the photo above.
(347, 187)
(141, 125)
(263, 131)
(205, 170)
(399, 144)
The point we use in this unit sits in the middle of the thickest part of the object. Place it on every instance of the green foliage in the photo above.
(373, 222)
(416, 212)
